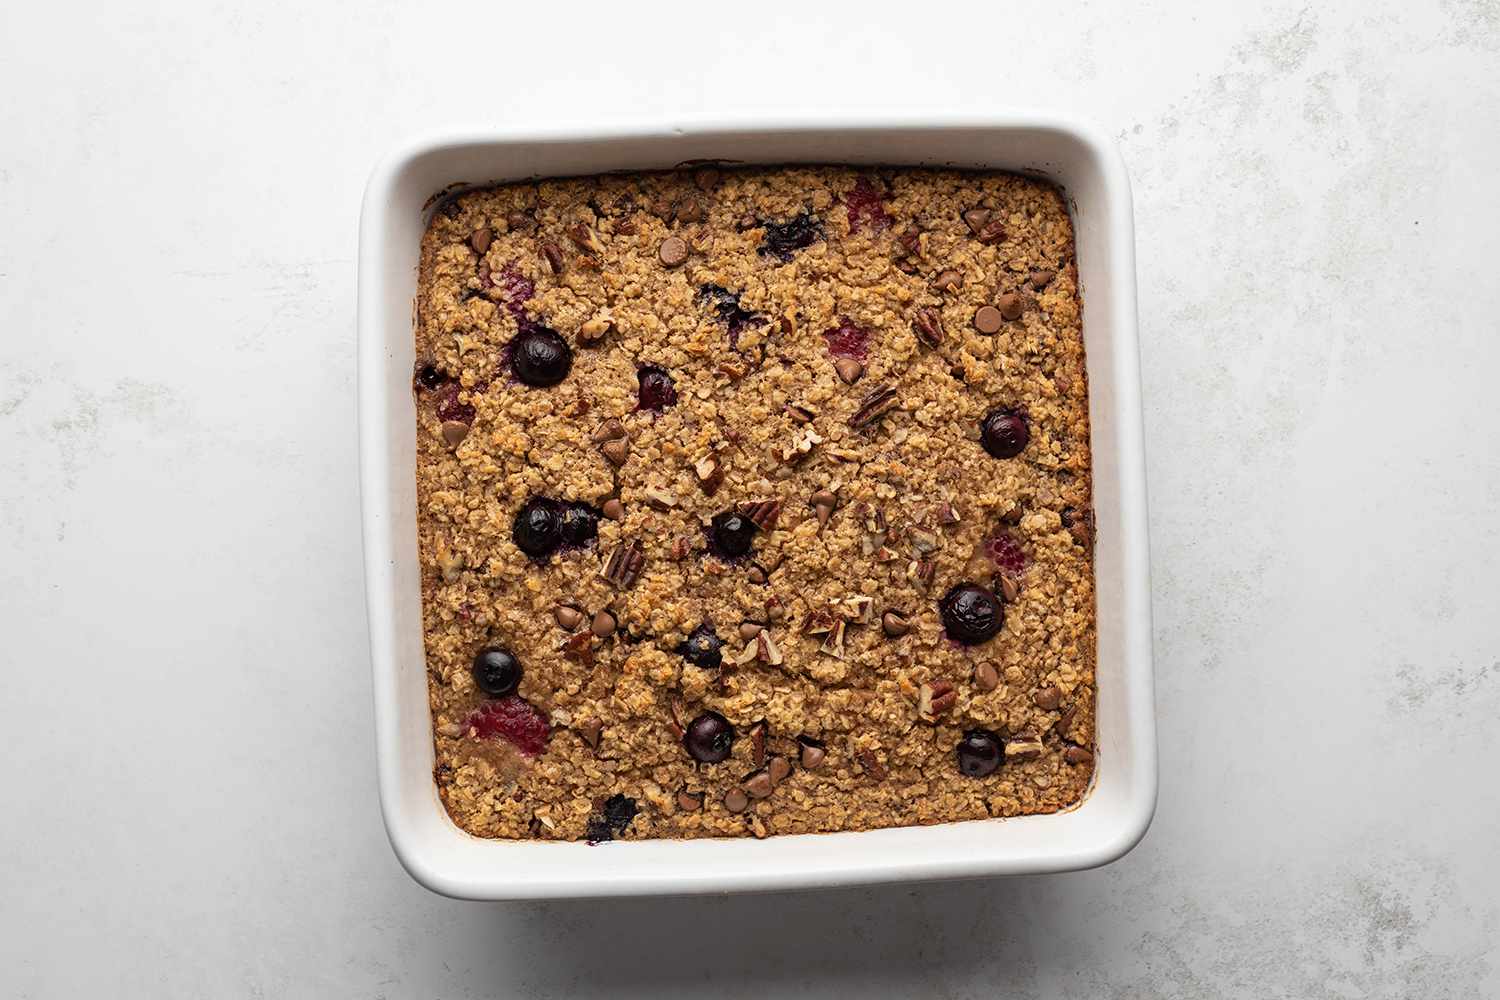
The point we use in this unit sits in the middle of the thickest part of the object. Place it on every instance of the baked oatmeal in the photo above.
(754, 501)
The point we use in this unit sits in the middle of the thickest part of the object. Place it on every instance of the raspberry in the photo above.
(515, 289)
(866, 205)
(1005, 552)
(848, 341)
(514, 719)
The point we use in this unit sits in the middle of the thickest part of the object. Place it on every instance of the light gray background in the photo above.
(189, 805)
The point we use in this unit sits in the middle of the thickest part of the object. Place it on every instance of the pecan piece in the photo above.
(585, 239)
(935, 698)
(1024, 746)
(763, 513)
(710, 473)
(624, 565)
(874, 406)
(927, 324)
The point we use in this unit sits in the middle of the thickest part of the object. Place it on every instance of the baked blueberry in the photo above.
(540, 357)
(731, 534)
(971, 614)
(703, 647)
(612, 819)
(657, 391)
(783, 239)
(430, 376)
(709, 738)
(580, 524)
(537, 529)
(1004, 433)
(496, 672)
(980, 752)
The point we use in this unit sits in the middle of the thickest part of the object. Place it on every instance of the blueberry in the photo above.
(580, 524)
(657, 388)
(430, 376)
(540, 357)
(496, 672)
(980, 752)
(727, 305)
(1004, 433)
(731, 534)
(709, 738)
(703, 648)
(785, 238)
(971, 614)
(611, 821)
(537, 529)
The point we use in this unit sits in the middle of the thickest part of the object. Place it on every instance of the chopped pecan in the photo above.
(1024, 746)
(833, 642)
(585, 239)
(928, 326)
(920, 571)
(710, 473)
(758, 732)
(763, 513)
(934, 698)
(874, 518)
(871, 764)
(624, 565)
(818, 623)
(554, 256)
(579, 647)
(858, 610)
(801, 446)
(766, 650)
(660, 498)
(875, 405)
(801, 414)
(924, 541)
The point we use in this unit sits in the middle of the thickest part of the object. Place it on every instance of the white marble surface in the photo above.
(189, 803)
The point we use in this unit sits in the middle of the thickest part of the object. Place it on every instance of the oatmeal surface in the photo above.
(725, 478)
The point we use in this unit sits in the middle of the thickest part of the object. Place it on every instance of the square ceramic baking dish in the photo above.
(1117, 810)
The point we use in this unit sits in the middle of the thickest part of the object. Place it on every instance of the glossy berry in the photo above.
(866, 205)
(537, 529)
(540, 357)
(731, 534)
(1004, 550)
(657, 390)
(513, 719)
(496, 672)
(430, 376)
(580, 524)
(980, 752)
(709, 738)
(848, 341)
(727, 305)
(703, 647)
(971, 614)
(1004, 433)
(783, 239)
(450, 407)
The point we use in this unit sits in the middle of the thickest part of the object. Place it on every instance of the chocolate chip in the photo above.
(757, 574)
(673, 251)
(849, 369)
(613, 509)
(554, 256)
(610, 430)
(992, 233)
(590, 732)
(480, 239)
(758, 784)
(928, 326)
(518, 219)
(948, 281)
(813, 753)
(454, 432)
(986, 677)
(604, 624)
(823, 503)
(749, 630)
(567, 617)
(689, 801)
(1047, 698)
(976, 219)
(779, 768)
(987, 320)
(1011, 306)
(736, 801)
(894, 624)
(1041, 278)
(707, 178)
(1077, 755)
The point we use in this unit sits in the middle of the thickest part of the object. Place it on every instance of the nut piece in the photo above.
(924, 541)
(554, 256)
(801, 446)
(624, 565)
(617, 451)
(736, 801)
(673, 251)
(450, 564)
(921, 571)
(592, 331)
(454, 432)
(894, 624)
(1077, 755)
(480, 239)
(927, 324)
(758, 784)
(813, 753)
(1024, 746)
(801, 414)
(613, 509)
(875, 405)
(681, 546)
(762, 513)
(604, 624)
(833, 642)
(451, 729)
(766, 650)
(710, 473)
(689, 801)
(935, 698)
(986, 677)
(1047, 698)
(871, 764)
(585, 239)
(1011, 305)
(567, 617)
(660, 498)
(859, 610)
(947, 514)
(849, 369)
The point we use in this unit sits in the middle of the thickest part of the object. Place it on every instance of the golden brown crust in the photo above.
(885, 764)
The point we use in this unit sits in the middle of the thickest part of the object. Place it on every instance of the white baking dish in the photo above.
(437, 853)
